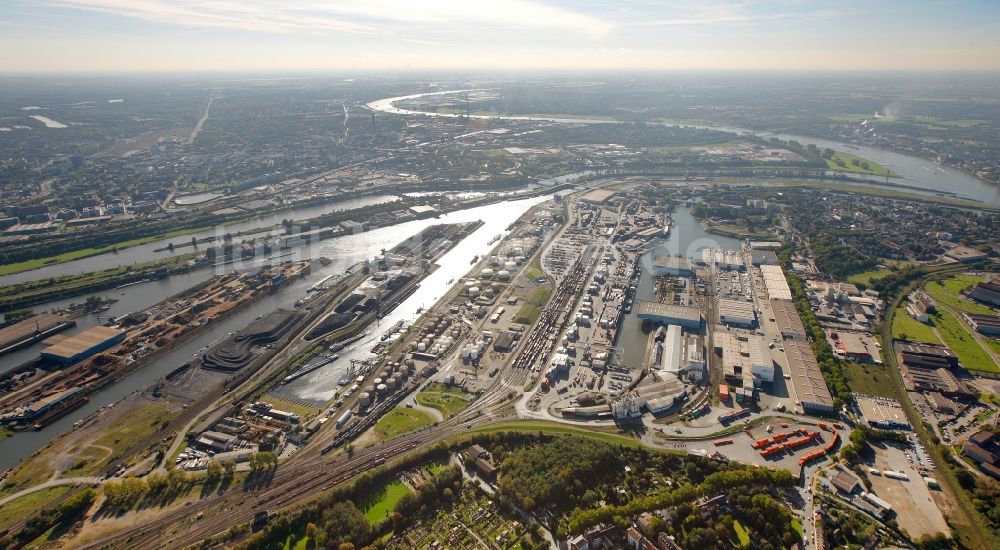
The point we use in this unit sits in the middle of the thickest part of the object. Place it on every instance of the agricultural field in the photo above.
(970, 353)
(401, 421)
(450, 400)
(949, 292)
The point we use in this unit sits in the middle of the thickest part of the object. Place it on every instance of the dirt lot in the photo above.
(916, 510)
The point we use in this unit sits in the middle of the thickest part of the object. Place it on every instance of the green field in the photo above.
(949, 292)
(742, 535)
(450, 400)
(291, 543)
(401, 421)
(970, 354)
(904, 325)
(19, 509)
(868, 277)
(530, 311)
(848, 159)
(380, 503)
(870, 379)
(86, 252)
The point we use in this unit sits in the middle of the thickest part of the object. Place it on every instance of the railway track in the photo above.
(310, 472)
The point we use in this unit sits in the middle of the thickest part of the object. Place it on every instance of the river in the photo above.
(146, 252)
(345, 251)
(920, 173)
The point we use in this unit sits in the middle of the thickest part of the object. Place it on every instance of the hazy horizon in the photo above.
(123, 36)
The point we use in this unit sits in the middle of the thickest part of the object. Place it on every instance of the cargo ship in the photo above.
(309, 367)
(61, 412)
(392, 330)
(496, 238)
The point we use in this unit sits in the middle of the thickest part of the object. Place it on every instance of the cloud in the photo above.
(351, 16)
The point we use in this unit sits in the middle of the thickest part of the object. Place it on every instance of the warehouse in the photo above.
(787, 318)
(745, 358)
(763, 257)
(669, 265)
(31, 330)
(598, 196)
(764, 245)
(923, 355)
(988, 325)
(667, 314)
(728, 260)
(736, 312)
(70, 349)
(775, 282)
(881, 413)
(680, 353)
(810, 387)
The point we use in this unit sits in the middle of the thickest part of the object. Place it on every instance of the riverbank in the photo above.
(26, 295)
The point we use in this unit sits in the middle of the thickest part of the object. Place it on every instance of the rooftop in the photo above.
(810, 387)
(82, 342)
(656, 309)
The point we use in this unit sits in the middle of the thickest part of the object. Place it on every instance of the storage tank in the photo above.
(486, 273)
(510, 265)
(421, 347)
(474, 291)
(503, 275)
(392, 383)
(370, 389)
(381, 388)
(377, 381)
(364, 399)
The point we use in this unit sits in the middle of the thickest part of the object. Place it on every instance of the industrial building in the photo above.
(988, 325)
(787, 318)
(71, 349)
(939, 380)
(807, 379)
(765, 245)
(982, 447)
(31, 330)
(728, 260)
(598, 196)
(736, 312)
(881, 413)
(667, 314)
(763, 257)
(962, 253)
(926, 356)
(775, 282)
(988, 293)
(670, 265)
(745, 358)
(681, 353)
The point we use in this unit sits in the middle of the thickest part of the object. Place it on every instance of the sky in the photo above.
(248, 35)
